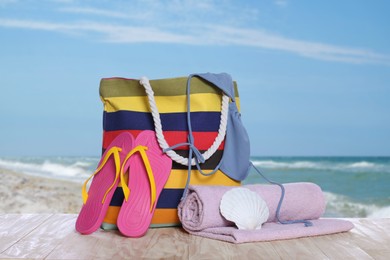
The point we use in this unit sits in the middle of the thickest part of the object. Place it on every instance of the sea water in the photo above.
(76, 169)
(353, 186)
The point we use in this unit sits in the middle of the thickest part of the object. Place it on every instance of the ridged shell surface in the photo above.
(245, 208)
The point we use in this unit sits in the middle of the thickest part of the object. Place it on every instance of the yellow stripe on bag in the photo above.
(161, 216)
(165, 217)
(166, 104)
(177, 179)
(112, 214)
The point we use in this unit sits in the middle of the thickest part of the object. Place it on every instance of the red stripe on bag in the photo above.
(203, 140)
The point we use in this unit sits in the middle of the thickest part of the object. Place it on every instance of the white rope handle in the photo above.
(144, 81)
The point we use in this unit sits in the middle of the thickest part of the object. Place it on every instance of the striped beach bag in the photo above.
(197, 123)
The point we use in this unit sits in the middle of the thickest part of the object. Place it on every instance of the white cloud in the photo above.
(282, 3)
(322, 51)
(207, 35)
(6, 2)
(94, 11)
(62, 1)
(190, 22)
(110, 33)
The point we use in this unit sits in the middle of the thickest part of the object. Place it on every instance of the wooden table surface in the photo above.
(52, 236)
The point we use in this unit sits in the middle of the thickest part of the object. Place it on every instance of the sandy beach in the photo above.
(21, 193)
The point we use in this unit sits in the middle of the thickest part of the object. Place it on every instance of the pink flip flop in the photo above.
(148, 169)
(105, 180)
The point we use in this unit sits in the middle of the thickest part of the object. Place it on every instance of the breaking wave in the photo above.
(74, 170)
(342, 206)
(324, 165)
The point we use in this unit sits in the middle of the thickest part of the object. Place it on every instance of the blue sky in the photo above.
(314, 76)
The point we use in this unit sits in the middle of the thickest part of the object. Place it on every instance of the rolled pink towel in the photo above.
(200, 215)
(200, 209)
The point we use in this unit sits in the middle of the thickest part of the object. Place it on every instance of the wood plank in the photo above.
(166, 243)
(302, 248)
(157, 243)
(340, 246)
(42, 239)
(54, 237)
(372, 237)
(375, 229)
(255, 251)
(201, 248)
(13, 227)
(204, 248)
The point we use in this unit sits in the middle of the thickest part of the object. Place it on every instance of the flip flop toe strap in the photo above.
(126, 191)
(113, 151)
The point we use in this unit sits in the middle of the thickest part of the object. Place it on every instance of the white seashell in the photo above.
(245, 208)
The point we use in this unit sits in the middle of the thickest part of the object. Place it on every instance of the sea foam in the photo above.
(381, 213)
(354, 166)
(342, 206)
(74, 171)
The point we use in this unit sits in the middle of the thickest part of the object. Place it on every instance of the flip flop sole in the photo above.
(135, 216)
(93, 211)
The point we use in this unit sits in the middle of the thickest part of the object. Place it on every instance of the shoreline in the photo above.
(22, 193)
